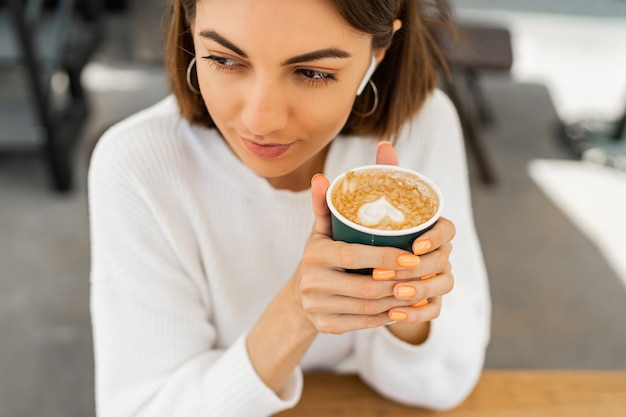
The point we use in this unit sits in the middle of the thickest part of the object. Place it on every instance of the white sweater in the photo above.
(189, 246)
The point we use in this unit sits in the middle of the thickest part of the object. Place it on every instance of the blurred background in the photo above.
(540, 86)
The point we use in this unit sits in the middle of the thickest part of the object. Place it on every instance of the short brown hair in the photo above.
(407, 75)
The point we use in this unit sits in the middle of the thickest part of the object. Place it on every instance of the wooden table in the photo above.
(519, 393)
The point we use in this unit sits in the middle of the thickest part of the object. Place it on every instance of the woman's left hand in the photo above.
(423, 282)
(424, 278)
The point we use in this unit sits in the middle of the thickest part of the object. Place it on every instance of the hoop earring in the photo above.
(374, 106)
(190, 85)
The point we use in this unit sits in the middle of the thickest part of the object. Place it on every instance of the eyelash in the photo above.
(307, 75)
(219, 63)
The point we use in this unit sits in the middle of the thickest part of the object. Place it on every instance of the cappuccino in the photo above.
(384, 199)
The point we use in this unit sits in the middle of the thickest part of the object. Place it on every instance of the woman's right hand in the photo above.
(333, 300)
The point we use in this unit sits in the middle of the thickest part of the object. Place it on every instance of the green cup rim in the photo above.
(378, 232)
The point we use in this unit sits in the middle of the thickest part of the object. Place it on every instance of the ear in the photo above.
(379, 54)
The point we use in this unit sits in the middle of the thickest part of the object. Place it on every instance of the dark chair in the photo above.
(52, 40)
(478, 48)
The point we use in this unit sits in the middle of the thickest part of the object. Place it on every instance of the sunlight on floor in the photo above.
(594, 199)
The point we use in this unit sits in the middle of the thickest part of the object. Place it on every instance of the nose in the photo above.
(266, 108)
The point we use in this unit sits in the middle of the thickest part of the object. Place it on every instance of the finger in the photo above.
(421, 314)
(442, 232)
(342, 323)
(435, 262)
(324, 304)
(416, 291)
(385, 154)
(348, 285)
(322, 223)
(337, 254)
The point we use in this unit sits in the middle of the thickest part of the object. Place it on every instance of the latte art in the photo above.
(378, 213)
(384, 199)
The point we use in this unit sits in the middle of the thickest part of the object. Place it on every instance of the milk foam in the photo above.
(374, 213)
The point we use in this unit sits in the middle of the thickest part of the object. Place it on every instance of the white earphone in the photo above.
(366, 77)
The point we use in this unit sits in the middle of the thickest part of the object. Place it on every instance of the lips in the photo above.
(265, 151)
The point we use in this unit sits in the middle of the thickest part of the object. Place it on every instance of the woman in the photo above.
(215, 281)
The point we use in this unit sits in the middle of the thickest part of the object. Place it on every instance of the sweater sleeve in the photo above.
(154, 342)
(441, 372)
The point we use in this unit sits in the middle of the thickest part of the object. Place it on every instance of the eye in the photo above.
(222, 63)
(316, 77)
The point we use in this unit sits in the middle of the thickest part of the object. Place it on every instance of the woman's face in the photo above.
(279, 78)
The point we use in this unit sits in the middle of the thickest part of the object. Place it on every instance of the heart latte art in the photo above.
(384, 199)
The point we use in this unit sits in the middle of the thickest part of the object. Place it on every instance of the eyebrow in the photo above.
(210, 34)
(315, 55)
(307, 57)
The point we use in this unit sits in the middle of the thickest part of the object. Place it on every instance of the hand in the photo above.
(432, 267)
(336, 301)
(425, 277)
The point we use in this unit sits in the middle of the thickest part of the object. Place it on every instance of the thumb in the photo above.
(385, 154)
(322, 224)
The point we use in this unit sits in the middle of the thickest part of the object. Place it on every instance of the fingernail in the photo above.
(383, 274)
(315, 176)
(429, 276)
(398, 315)
(409, 261)
(421, 303)
(405, 291)
(422, 247)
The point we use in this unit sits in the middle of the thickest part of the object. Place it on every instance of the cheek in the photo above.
(217, 94)
(218, 108)
(325, 116)
(222, 107)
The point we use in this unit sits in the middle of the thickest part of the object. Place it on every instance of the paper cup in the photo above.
(348, 231)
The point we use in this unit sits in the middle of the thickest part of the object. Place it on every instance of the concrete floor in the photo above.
(556, 302)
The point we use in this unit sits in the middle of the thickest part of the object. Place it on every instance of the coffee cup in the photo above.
(382, 205)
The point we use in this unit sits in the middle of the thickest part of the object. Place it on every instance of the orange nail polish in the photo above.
(383, 274)
(405, 291)
(409, 261)
(421, 303)
(422, 247)
(429, 276)
(398, 315)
